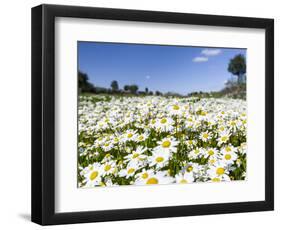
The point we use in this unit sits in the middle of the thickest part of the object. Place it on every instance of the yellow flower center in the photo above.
(159, 159)
(211, 152)
(189, 169)
(228, 149)
(163, 120)
(107, 168)
(166, 144)
(216, 179)
(102, 184)
(221, 128)
(227, 156)
(135, 155)
(183, 181)
(144, 175)
(205, 135)
(203, 113)
(152, 180)
(141, 138)
(220, 171)
(106, 144)
(176, 107)
(233, 123)
(224, 138)
(94, 175)
(190, 142)
(131, 170)
(197, 151)
(153, 122)
(129, 135)
(116, 139)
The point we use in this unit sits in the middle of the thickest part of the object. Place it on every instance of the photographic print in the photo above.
(179, 105)
(160, 114)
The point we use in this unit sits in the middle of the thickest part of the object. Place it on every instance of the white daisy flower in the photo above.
(159, 158)
(129, 135)
(108, 168)
(144, 174)
(223, 137)
(159, 177)
(165, 124)
(93, 176)
(141, 137)
(218, 172)
(211, 152)
(130, 170)
(229, 154)
(229, 149)
(175, 109)
(107, 146)
(136, 155)
(205, 136)
(168, 145)
(196, 153)
(184, 178)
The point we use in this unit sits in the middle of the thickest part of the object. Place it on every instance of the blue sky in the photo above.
(180, 69)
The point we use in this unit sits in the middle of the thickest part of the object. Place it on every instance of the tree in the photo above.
(114, 86)
(84, 84)
(101, 90)
(146, 90)
(133, 89)
(126, 87)
(158, 93)
(237, 66)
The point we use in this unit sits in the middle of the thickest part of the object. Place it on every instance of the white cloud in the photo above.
(200, 59)
(211, 52)
(147, 77)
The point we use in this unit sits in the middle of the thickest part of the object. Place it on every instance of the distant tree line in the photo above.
(234, 88)
(86, 87)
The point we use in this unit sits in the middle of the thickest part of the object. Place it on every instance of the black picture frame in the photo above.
(43, 114)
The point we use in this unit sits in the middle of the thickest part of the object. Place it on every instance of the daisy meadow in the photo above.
(197, 141)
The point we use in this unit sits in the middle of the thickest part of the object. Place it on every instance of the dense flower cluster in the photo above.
(160, 140)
